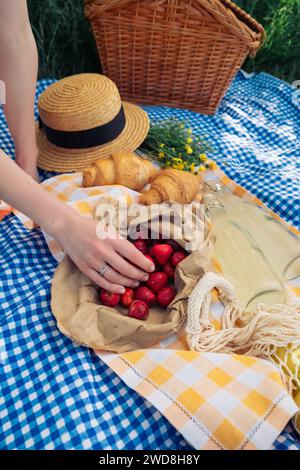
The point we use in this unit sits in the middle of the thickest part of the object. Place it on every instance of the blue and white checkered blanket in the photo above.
(55, 394)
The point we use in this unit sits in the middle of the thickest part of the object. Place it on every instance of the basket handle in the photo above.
(244, 26)
(95, 8)
(251, 22)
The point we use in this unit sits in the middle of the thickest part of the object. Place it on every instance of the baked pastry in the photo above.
(172, 185)
(124, 168)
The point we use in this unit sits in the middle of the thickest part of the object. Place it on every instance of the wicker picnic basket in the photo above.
(181, 53)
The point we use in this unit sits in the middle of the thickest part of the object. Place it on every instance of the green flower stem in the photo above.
(172, 144)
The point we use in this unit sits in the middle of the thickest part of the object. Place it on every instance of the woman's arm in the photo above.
(76, 234)
(18, 70)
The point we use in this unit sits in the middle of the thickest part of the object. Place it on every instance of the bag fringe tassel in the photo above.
(257, 334)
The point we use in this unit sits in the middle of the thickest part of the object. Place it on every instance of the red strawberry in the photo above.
(108, 298)
(145, 294)
(139, 310)
(162, 252)
(128, 297)
(174, 245)
(166, 295)
(178, 257)
(169, 270)
(141, 245)
(157, 281)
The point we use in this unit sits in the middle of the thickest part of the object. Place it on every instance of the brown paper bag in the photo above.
(81, 317)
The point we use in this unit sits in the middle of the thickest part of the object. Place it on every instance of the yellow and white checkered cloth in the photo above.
(216, 401)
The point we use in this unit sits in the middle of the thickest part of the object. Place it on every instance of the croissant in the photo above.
(172, 185)
(124, 168)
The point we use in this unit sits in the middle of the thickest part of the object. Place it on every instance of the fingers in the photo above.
(122, 266)
(102, 282)
(112, 276)
(129, 251)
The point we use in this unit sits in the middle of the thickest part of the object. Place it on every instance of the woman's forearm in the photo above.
(18, 70)
(23, 193)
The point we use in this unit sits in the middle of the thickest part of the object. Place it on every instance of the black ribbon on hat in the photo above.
(94, 137)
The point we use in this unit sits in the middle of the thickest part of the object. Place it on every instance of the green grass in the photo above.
(64, 38)
(66, 45)
(280, 54)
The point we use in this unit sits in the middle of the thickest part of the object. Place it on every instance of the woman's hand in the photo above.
(77, 236)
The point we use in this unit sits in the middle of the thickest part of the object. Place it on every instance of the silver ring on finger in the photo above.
(103, 268)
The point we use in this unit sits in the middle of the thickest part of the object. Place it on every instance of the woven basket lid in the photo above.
(80, 103)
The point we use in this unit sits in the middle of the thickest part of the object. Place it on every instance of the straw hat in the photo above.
(82, 119)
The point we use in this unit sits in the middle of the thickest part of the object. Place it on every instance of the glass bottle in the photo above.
(279, 245)
(240, 259)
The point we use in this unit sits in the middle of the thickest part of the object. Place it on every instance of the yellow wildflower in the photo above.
(161, 155)
(162, 145)
(192, 167)
(203, 157)
(189, 131)
(201, 168)
(189, 140)
(188, 149)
